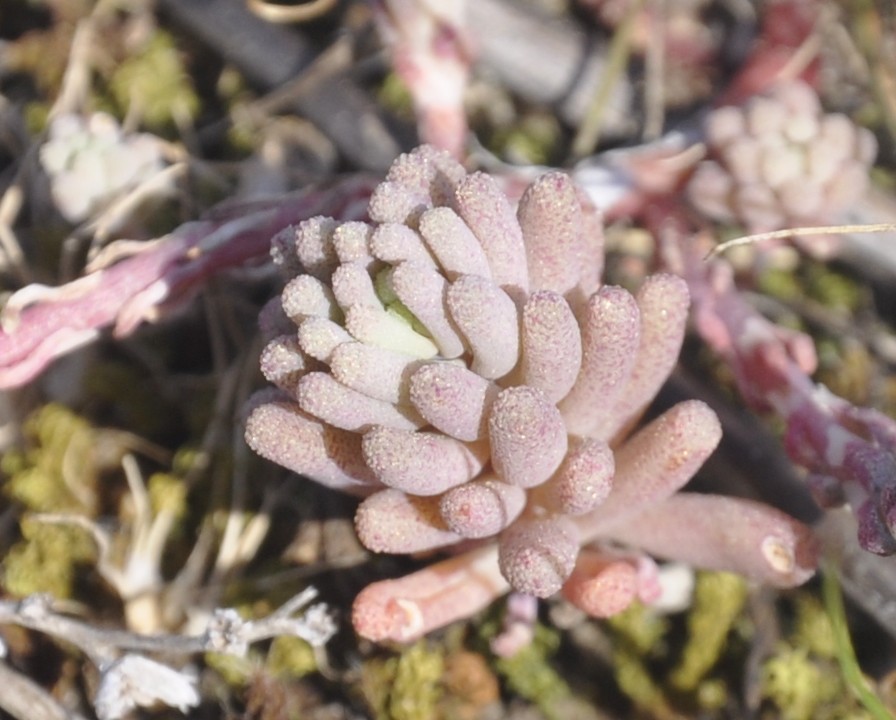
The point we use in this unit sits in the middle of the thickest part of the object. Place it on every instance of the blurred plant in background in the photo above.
(91, 162)
(779, 161)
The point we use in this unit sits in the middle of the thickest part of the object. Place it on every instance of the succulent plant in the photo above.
(457, 363)
(779, 160)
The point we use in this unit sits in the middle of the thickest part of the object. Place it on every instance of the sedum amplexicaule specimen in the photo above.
(457, 363)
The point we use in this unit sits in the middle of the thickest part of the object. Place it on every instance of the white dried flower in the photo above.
(225, 633)
(134, 681)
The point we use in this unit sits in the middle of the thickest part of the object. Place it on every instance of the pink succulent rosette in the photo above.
(456, 362)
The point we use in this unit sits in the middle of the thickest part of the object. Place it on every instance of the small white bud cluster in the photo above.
(779, 161)
(90, 162)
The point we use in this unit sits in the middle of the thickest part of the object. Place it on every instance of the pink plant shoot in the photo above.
(849, 452)
(130, 283)
(457, 363)
(432, 53)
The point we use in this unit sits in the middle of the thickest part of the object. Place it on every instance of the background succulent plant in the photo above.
(779, 160)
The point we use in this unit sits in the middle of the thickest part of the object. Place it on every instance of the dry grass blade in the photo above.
(799, 232)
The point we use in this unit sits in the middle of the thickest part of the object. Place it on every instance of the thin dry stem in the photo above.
(588, 134)
(799, 232)
(26, 700)
(10, 206)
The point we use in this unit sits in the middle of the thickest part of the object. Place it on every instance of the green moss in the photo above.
(395, 96)
(530, 674)
(813, 629)
(637, 682)
(47, 559)
(156, 81)
(712, 694)
(417, 684)
(718, 600)
(639, 628)
(639, 635)
(797, 685)
(847, 368)
(291, 657)
(168, 492)
(56, 471)
(242, 138)
(781, 284)
(815, 281)
(36, 115)
(641, 650)
(231, 86)
(185, 459)
(235, 671)
(407, 686)
(832, 289)
(534, 140)
(376, 684)
(813, 673)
